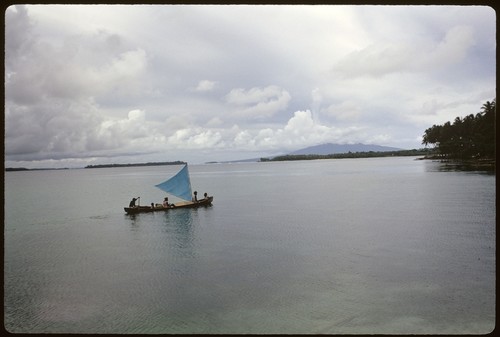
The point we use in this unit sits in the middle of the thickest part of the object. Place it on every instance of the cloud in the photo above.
(195, 138)
(258, 103)
(409, 56)
(300, 130)
(52, 91)
(452, 49)
(119, 132)
(58, 127)
(346, 111)
(76, 68)
(205, 85)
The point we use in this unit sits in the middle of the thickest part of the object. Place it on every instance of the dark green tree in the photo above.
(470, 137)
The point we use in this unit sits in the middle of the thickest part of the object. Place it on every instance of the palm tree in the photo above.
(488, 107)
(470, 137)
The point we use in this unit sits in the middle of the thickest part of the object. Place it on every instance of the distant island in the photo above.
(14, 169)
(178, 162)
(364, 154)
(136, 164)
(330, 148)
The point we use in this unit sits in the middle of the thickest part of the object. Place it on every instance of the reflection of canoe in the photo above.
(183, 204)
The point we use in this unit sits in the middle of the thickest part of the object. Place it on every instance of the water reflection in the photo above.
(180, 224)
(173, 230)
(136, 221)
(461, 166)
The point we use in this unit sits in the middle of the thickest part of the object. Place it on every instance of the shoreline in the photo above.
(487, 164)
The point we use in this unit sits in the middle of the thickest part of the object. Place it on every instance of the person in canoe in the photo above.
(165, 202)
(132, 202)
(195, 196)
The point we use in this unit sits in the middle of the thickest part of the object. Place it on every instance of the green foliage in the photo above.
(178, 162)
(470, 137)
(369, 154)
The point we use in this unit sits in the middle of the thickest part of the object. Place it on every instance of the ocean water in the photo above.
(380, 245)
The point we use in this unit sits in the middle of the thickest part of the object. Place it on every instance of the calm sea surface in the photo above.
(382, 245)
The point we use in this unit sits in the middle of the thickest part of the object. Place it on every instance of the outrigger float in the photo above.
(180, 186)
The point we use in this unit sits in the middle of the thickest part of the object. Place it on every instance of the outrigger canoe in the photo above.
(179, 186)
(160, 208)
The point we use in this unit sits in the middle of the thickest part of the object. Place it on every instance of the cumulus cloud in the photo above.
(195, 138)
(121, 131)
(51, 128)
(258, 103)
(51, 92)
(300, 130)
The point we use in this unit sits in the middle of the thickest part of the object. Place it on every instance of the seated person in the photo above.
(165, 202)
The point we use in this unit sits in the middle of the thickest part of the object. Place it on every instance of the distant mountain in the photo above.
(330, 148)
(323, 149)
(251, 160)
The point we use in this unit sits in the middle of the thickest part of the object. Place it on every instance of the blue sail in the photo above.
(179, 185)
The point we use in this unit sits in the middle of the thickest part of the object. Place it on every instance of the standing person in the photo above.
(132, 202)
(195, 197)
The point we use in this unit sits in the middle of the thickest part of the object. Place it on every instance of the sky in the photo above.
(97, 84)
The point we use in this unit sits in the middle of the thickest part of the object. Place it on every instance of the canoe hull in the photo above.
(184, 204)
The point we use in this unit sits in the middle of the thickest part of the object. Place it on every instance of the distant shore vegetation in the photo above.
(369, 154)
(468, 138)
(137, 164)
(12, 169)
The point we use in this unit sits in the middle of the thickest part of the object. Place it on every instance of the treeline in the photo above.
(137, 164)
(369, 154)
(14, 169)
(471, 137)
